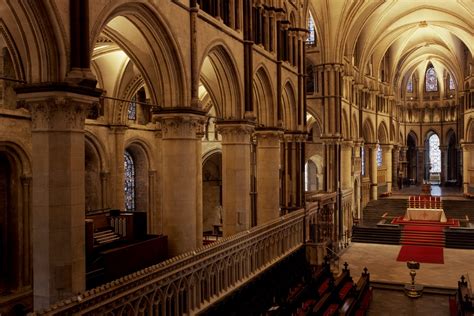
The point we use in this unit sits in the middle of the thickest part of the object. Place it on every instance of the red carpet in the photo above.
(425, 228)
(421, 254)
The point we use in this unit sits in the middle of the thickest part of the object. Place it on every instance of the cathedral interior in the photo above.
(168, 157)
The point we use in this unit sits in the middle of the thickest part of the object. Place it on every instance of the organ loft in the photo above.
(205, 157)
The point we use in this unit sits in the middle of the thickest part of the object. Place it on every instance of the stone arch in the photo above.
(382, 133)
(345, 125)
(469, 136)
(263, 98)
(41, 55)
(140, 152)
(15, 218)
(368, 132)
(289, 112)
(355, 127)
(222, 81)
(141, 25)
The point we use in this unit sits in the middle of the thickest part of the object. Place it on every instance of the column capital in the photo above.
(386, 146)
(180, 123)
(295, 136)
(57, 106)
(235, 127)
(347, 144)
(467, 145)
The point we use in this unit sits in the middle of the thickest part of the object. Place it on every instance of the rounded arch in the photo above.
(15, 217)
(220, 76)
(139, 152)
(212, 191)
(142, 25)
(289, 111)
(263, 97)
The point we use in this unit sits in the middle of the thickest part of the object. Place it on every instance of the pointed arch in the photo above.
(431, 79)
(382, 133)
(346, 134)
(368, 132)
(141, 25)
(222, 81)
(289, 111)
(263, 98)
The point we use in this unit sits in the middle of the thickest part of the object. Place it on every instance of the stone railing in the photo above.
(188, 283)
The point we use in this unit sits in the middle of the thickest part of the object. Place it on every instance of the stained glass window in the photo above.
(129, 187)
(362, 159)
(431, 80)
(410, 86)
(132, 109)
(435, 154)
(379, 156)
(451, 83)
(311, 40)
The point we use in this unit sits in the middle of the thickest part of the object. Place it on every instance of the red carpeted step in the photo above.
(421, 254)
(423, 235)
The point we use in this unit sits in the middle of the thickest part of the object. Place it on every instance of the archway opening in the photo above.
(212, 194)
(92, 178)
(432, 159)
(9, 261)
(311, 182)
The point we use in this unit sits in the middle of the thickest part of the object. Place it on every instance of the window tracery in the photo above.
(431, 80)
(129, 187)
(435, 154)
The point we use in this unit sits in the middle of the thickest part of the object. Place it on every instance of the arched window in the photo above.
(379, 156)
(132, 108)
(435, 154)
(410, 85)
(311, 40)
(451, 83)
(431, 80)
(129, 187)
(362, 159)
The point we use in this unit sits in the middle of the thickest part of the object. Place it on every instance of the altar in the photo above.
(425, 208)
(420, 214)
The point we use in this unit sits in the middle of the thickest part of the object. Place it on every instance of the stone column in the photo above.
(420, 165)
(373, 171)
(24, 254)
(180, 173)
(58, 197)
(387, 159)
(444, 164)
(236, 175)
(466, 156)
(199, 202)
(152, 215)
(395, 167)
(346, 164)
(268, 174)
(117, 165)
(104, 187)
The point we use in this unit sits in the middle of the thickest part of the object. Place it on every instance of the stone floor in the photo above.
(395, 303)
(436, 190)
(382, 265)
